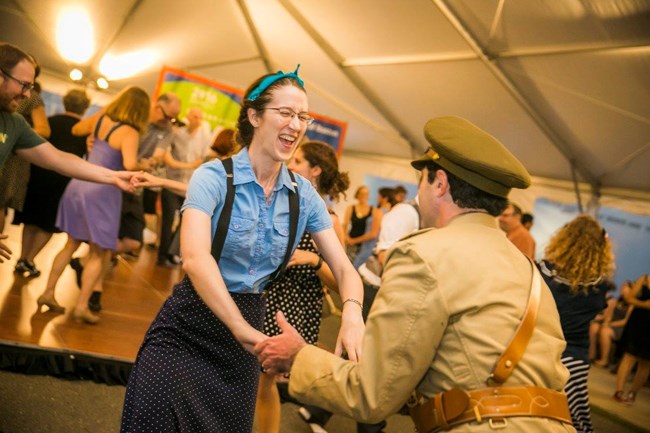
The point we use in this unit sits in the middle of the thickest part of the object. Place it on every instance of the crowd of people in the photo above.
(442, 300)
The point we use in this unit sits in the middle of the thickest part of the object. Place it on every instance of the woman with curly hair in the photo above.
(577, 263)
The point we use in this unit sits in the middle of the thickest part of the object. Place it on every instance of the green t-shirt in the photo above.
(15, 133)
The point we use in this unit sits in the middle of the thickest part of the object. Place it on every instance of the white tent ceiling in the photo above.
(563, 83)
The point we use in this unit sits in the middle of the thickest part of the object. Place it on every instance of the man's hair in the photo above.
(11, 55)
(516, 210)
(527, 218)
(388, 194)
(165, 97)
(76, 101)
(467, 196)
(399, 189)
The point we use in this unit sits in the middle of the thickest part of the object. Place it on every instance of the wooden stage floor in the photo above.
(134, 290)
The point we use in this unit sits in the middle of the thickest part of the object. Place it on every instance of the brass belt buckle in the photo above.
(498, 423)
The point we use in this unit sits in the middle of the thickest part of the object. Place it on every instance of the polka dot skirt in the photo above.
(191, 375)
(299, 295)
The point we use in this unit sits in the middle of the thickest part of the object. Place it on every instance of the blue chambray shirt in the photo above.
(258, 232)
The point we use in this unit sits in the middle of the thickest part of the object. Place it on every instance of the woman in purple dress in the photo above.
(90, 212)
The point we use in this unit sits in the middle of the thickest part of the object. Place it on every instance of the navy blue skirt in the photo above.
(191, 375)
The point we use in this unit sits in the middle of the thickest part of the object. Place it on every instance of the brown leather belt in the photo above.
(456, 406)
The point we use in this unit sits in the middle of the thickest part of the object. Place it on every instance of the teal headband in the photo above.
(272, 79)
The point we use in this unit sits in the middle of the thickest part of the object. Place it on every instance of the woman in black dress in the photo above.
(635, 342)
(46, 187)
(299, 293)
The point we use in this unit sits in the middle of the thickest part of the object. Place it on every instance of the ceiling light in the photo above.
(74, 35)
(127, 64)
(76, 75)
(102, 83)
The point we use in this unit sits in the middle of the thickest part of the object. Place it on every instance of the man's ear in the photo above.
(441, 182)
(252, 117)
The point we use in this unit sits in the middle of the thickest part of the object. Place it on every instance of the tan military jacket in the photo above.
(450, 301)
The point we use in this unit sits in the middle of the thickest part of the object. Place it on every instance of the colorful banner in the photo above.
(220, 105)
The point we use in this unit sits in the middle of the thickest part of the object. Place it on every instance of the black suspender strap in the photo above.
(294, 214)
(224, 219)
(226, 212)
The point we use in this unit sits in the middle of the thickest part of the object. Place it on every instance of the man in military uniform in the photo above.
(450, 304)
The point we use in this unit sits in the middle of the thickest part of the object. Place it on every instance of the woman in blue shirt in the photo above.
(195, 370)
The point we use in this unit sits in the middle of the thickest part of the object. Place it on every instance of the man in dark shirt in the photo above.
(17, 70)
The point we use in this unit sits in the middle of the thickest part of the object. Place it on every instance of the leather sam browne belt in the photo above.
(451, 408)
(495, 403)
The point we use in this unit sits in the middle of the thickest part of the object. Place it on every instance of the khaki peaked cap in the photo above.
(472, 155)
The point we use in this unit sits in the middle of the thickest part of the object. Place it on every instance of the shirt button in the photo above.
(285, 231)
(236, 226)
(251, 272)
(261, 225)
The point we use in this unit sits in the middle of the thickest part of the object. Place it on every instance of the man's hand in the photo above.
(276, 354)
(5, 252)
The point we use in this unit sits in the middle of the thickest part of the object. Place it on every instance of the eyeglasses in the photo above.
(287, 113)
(170, 119)
(26, 86)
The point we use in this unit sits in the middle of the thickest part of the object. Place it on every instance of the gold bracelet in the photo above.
(354, 301)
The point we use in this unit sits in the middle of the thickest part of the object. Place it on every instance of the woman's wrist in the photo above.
(319, 263)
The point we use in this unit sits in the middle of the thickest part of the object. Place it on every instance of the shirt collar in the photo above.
(482, 218)
(245, 174)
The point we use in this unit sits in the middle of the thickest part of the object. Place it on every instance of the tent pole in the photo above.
(509, 85)
(576, 186)
(351, 75)
(264, 54)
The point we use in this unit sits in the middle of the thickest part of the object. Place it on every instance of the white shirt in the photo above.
(400, 221)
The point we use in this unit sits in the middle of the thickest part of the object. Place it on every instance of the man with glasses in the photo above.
(17, 70)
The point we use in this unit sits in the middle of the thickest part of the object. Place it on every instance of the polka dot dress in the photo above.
(191, 375)
(299, 295)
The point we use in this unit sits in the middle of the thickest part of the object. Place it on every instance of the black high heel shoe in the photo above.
(26, 267)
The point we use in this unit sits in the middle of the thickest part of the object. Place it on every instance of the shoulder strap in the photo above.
(517, 346)
(117, 125)
(226, 212)
(98, 125)
(294, 214)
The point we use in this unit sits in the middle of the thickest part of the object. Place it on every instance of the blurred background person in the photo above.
(635, 343)
(90, 212)
(608, 329)
(299, 292)
(189, 149)
(361, 223)
(46, 187)
(400, 194)
(527, 220)
(577, 263)
(224, 145)
(510, 222)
